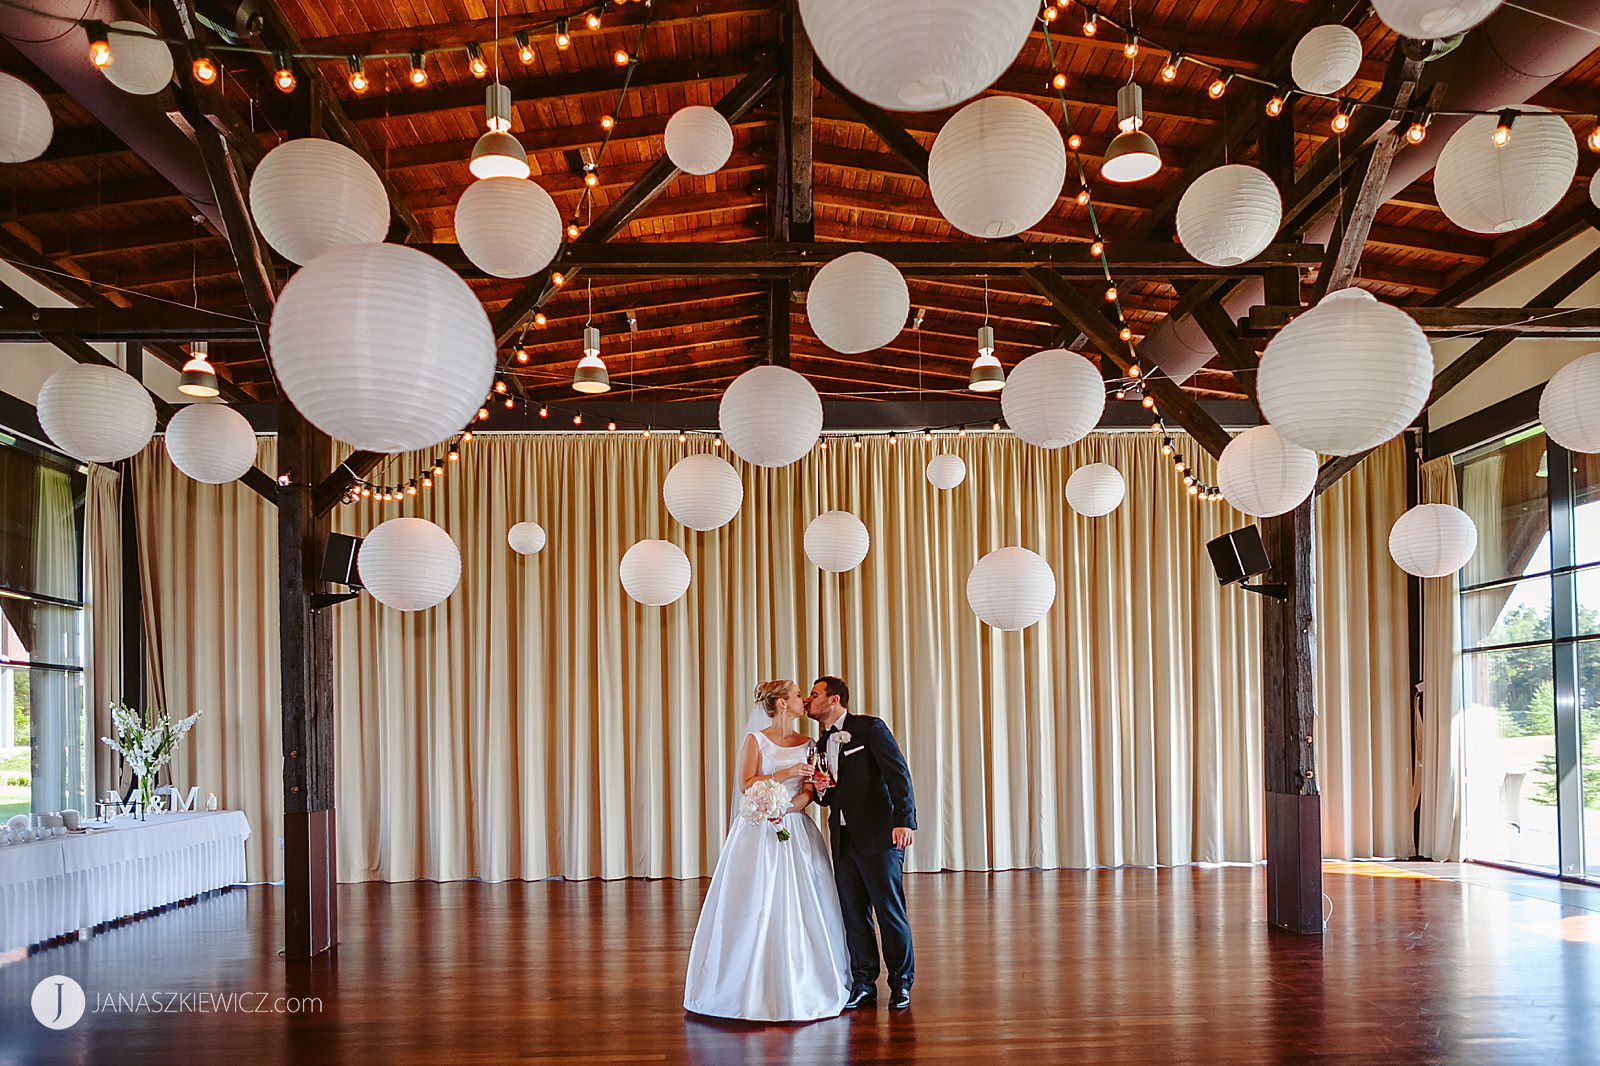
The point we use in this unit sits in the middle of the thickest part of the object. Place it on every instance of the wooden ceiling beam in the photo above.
(1540, 318)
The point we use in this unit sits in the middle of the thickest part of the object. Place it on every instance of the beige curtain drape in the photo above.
(540, 723)
(1438, 728)
(102, 629)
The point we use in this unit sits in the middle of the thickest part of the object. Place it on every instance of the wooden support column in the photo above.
(133, 677)
(306, 646)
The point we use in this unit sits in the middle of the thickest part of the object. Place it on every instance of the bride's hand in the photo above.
(790, 772)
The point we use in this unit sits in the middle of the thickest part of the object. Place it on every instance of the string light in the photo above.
(475, 61)
(284, 77)
(1126, 334)
(1502, 130)
(1594, 139)
(1049, 14)
(1341, 118)
(419, 71)
(204, 69)
(607, 122)
(1169, 69)
(1074, 142)
(1149, 402)
(563, 38)
(358, 79)
(577, 420)
(1111, 294)
(1219, 84)
(500, 387)
(683, 438)
(620, 57)
(544, 412)
(1275, 105)
(1091, 23)
(611, 427)
(1417, 131)
(483, 414)
(557, 279)
(99, 44)
(1131, 49)
(716, 442)
(592, 20)
(572, 231)
(1083, 197)
(522, 354)
(590, 178)
(1097, 249)
(466, 435)
(538, 316)
(524, 47)
(1059, 81)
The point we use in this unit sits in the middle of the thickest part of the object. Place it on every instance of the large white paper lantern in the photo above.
(1569, 406)
(1433, 540)
(1346, 375)
(1427, 20)
(1096, 489)
(96, 413)
(857, 302)
(836, 541)
(923, 58)
(698, 139)
(946, 471)
(1263, 473)
(1326, 59)
(703, 492)
(25, 122)
(211, 442)
(526, 538)
(140, 63)
(655, 572)
(1489, 188)
(1053, 398)
(1229, 215)
(508, 227)
(770, 416)
(310, 195)
(383, 347)
(409, 564)
(996, 167)
(1011, 588)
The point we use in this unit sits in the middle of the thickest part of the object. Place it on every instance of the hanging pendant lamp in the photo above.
(498, 154)
(199, 376)
(1132, 154)
(590, 374)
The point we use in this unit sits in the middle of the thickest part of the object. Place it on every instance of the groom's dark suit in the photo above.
(871, 796)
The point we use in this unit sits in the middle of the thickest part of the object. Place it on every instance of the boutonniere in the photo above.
(843, 736)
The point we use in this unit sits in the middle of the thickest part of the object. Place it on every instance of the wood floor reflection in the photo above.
(1465, 965)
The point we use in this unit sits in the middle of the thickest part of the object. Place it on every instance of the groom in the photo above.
(872, 815)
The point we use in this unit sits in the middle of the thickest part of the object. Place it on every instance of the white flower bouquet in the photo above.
(766, 801)
(146, 748)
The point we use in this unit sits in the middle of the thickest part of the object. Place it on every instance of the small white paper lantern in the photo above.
(655, 572)
(1053, 398)
(926, 58)
(25, 122)
(1347, 375)
(140, 63)
(383, 347)
(1263, 473)
(1489, 188)
(1428, 20)
(770, 416)
(310, 195)
(858, 302)
(1569, 406)
(508, 227)
(1011, 588)
(703, 492)
(96, 413)
(526, 538)
(1096, 489)
(1433, 540)
(698, 139)
(997, 166)
(946, 471)
(1326, 59)
(409, 564)
(1229, 215)
(837, 541)
(211, 442)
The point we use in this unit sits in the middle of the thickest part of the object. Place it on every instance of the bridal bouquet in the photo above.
(766, 801)
(146, 748)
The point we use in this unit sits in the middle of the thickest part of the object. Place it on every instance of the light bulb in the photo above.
(1091, 24)
(1169, 69)
(592, 20)
(500, 387)
(204, 70)
(1417, 132)
(1049, 14)
(524, 47)
(475, 62)
(563, 39)
(99, 45)
(522, 354)
(284, 77)
(620, 57)
(1059, 81)
(358, 79)
(1083, 197)
(572, 231)
(1594, 139)
(557, 279)
(1341, 119)
(1148, 402)
(607, 122)
(611, 427)
(1111, 294)
(591, 179)
(1126, 334)
(1131, 49)
(483, 414)
(1097, 249)
(1074, 142)
(419, 72)
(1275, 105)
(1502, 130)
(1219, 85)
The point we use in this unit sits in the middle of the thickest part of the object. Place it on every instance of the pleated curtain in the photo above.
(102, 608)
(1440, 735)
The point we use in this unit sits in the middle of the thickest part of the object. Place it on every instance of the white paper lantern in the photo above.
(1326, 59)
(1096, 489)
(1263, 473)
(140, 63)
(1347, 375)
(703, 492)
(1229, 215)
(925, 58)
(655, 572)
(946, 471)
(409, 564)
(1433, 540)
(698, 140)
(1011, 588)
(997, 166)
(211, 442)
(383, 347)
(1427, 20)
(96, 413)
(1569, 406)
(526, 538)
(770, 416)
(1053, 398)
(1489, 188)
(857, 302)
(836, 541)
(309, 196)
(25, 122)
(508, 227)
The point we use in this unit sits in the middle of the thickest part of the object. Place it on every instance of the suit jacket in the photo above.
(872, 785)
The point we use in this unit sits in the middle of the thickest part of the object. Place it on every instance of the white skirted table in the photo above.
(52, 887)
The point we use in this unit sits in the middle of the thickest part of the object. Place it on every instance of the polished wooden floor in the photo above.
(1172, 966)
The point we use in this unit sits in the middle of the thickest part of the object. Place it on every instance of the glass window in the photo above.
(1505, 492)
(1586, 508)
(1509, 714)
(41, 524)
(42, 742)
(1506, 614)
(1589, 750)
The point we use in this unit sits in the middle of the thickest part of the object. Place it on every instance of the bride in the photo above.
(770, 943)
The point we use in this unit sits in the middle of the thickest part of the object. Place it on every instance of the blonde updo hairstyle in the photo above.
(768, 693)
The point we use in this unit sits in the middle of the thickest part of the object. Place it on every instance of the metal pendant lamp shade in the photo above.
(498, 154)
(987, 375)
(590, 374)
(1132, 154)
(199, 376)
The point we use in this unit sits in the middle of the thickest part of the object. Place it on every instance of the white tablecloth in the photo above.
(63, 884)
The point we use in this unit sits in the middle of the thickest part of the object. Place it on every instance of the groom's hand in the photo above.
(901, 837)
(820, 780)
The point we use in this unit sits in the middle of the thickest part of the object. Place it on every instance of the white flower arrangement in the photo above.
(766, 801)
(146, 748)
(844, 737)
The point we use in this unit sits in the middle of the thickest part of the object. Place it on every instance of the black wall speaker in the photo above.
(339, 561)
(1239, 556)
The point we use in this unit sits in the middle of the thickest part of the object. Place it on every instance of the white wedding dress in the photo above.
(770, 943)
